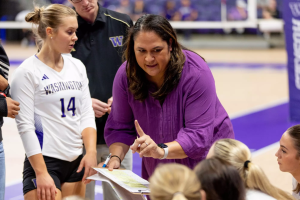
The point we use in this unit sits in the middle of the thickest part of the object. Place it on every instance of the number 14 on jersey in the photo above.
(71, 106)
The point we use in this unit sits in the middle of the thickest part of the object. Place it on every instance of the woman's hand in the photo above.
(145, 146)
(88, 162)
(46, 189)
(114, 163)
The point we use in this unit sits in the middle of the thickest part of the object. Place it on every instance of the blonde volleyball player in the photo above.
(56, 115)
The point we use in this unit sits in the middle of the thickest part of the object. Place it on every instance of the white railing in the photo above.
(251, 22)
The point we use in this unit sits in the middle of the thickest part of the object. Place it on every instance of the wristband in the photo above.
(1, 93)
(116, 157)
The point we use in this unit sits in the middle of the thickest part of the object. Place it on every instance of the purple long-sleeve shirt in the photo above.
(191, 114)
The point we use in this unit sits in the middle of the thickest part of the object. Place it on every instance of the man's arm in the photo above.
(4, 69)
(3, 83)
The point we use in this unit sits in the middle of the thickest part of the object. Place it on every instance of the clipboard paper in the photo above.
(127, 180)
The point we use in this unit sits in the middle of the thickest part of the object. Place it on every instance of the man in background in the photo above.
(101, 33)
(8, 108)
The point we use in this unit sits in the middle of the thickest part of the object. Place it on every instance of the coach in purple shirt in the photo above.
(166, 96)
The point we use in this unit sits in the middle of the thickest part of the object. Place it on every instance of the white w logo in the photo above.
(295, 7)
(117, 41)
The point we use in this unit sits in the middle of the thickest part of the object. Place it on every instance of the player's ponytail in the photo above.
(34, 16)
(179, 196)
(238, 155)
(255, 178)
(174, 182)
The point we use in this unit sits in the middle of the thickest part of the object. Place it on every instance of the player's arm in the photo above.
(88, 131)
(45, 185)
(23, 89)
(90, 158)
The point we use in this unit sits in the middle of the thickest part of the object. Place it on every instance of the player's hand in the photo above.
(109, 102)
(100, 108)
(145, 146)
(46, 189)
(88, 162)
(12, 107)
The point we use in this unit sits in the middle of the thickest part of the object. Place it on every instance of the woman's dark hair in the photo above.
(138, 84)
(294, 133)
(220, 181)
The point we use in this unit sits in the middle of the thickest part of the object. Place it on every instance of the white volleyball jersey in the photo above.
(55, 107)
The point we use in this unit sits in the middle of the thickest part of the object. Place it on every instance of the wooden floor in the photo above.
(239, 89)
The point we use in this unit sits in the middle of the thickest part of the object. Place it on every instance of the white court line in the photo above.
(265, 149)
(98, 189)
(259, 108)
(14, 183)
(20, 197)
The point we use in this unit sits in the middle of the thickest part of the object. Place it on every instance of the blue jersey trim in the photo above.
(39, 129)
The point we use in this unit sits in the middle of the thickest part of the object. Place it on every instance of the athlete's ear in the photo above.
(49, 32)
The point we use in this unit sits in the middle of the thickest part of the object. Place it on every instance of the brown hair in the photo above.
(294, 133)
(220, 181)
(136, 76)
(236, 153)
(51, 16)
(174, 182)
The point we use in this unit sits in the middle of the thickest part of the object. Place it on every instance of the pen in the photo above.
(107, 160)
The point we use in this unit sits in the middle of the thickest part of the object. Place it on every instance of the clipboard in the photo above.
(126, 184)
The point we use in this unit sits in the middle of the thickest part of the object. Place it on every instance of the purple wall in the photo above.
(291, 15)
